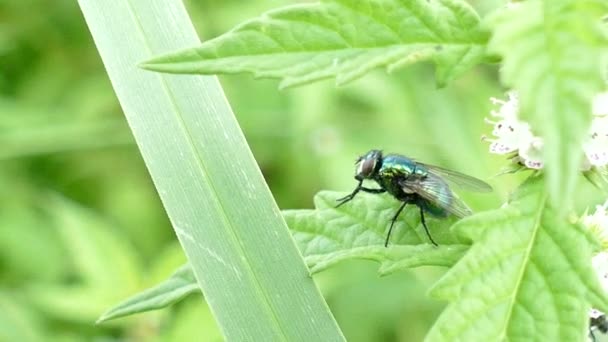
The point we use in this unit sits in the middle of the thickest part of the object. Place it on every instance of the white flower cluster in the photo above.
(513, 135)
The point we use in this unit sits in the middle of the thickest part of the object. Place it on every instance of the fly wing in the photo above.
(435, 190)
(459, 179)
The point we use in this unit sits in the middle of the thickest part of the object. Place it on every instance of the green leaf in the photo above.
(101, 256)
(222, 211)
(170, 291)
(75, 303)
(18, 320)
(328, 235)
(552, 55)
(342, 39)
(528, 274)
(99, 251)
(26, 131)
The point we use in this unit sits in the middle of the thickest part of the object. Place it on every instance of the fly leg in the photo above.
(352, 195)
(426, 229)
(388, 236)
(373, 191)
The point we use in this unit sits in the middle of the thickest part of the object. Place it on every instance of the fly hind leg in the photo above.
(426, 229)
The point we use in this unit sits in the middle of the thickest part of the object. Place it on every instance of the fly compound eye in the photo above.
(365, 168)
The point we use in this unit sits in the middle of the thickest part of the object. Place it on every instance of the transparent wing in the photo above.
(459, 179)
(434, 189)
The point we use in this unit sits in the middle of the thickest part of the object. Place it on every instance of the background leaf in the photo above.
(97, 248)
(342, 39)
(528, 274)
(552, 55)
(32, 131)
(99, 254)
(18, 322)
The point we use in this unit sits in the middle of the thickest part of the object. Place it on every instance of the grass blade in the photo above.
(241, 252)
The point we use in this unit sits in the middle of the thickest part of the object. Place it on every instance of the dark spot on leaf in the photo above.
(438, 47)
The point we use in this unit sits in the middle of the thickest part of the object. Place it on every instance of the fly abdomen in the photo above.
(432, 208)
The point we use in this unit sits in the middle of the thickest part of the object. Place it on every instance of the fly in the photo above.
(411, 182)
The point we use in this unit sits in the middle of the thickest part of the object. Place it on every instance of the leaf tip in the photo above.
(284, 85)
(146, 65)
(152, 65)
(106, 316)
(184, 61)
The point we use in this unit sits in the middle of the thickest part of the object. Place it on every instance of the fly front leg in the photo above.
(352, 195)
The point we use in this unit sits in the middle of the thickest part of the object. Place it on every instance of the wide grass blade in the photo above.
(241, 252)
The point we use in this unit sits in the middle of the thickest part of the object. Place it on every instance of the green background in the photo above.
(81, 226)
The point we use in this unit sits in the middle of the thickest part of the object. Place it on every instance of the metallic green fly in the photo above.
(411, 182)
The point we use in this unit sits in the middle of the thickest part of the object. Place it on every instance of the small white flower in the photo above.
(511, 135)
(596, 146)
(530, 153)
(509, 109)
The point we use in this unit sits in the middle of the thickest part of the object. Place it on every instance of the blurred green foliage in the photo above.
(81, 226)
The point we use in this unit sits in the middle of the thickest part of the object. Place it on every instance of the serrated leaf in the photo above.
(342, 39)
(528, 276)
(552, 54)
(328, 235)
(170, 291)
